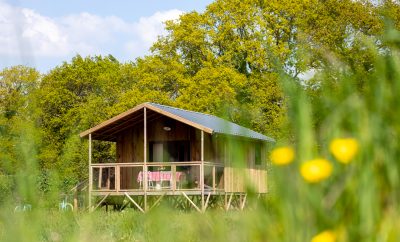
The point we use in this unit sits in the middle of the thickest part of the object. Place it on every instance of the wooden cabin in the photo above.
(164, 151)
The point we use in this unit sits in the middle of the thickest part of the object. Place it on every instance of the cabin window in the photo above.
(257, 155)
(169, 151)
(157, 152)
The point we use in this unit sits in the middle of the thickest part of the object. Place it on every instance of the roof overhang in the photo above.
(135, 114)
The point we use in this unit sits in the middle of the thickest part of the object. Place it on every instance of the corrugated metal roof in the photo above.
(218, 125)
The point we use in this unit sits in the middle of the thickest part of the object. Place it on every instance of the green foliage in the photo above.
(16, 84)
(212, 89)
(224, 61)
(256, 39)
(360, 200)
(6, 187)
(72, 98)
(240, 60)
(17, 115)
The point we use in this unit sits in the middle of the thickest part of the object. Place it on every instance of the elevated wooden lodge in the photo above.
(192, 159)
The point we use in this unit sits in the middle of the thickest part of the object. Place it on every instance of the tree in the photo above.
(259, 40)
(17, 111)
(16, 84)
(72, 98)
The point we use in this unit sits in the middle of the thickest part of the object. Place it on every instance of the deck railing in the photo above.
(161, 176)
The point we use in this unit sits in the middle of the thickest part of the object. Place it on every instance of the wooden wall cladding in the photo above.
(130, 145)
(130, 140)
(240, 168)
(237, 154)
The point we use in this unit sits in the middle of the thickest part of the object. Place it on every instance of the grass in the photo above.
(158, 225)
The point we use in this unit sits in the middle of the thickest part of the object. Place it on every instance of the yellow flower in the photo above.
(325, 236)
(344, 150)
(282, 155)
(316, 170)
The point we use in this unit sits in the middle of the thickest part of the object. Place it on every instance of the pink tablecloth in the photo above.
(159, 176)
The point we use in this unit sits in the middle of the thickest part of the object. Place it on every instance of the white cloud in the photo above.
(147, 29)
(24, 32)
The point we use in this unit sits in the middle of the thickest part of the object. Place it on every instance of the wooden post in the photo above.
(207, 200)
(173, 178)
(145, 156)
(134, 203)
(228, 205)
(157, 201)
(108, 178)
(191, 202)
(202, 145)
(213, 178)
(225, 200)
(102, 200)
(243, 203)
(202, 171)
(90, 172)
(100, 177)
(117, 177)
(76, 199)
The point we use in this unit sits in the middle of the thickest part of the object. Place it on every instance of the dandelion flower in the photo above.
(316, 170)
(282, 156)
(325, 236)
(344, 150)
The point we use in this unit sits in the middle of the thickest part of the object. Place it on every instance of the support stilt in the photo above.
(206, 204)
(243, 202)
(191, 202)
(157, 201)
(123, 206)
(229, 202)
(134, 203)
(102, 200)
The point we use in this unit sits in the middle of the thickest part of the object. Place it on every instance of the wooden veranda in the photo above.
(174, 155)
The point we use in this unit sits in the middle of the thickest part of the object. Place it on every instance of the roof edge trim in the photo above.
(111, 120)
(179, 118)
(151, 107)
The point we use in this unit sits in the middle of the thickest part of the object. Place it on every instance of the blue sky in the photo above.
(44, 33)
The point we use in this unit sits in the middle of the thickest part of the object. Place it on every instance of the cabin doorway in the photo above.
(169, 151)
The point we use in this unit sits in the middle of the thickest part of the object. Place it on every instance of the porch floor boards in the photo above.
(157, 193)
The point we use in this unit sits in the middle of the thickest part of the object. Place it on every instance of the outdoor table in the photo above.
(159, 176)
